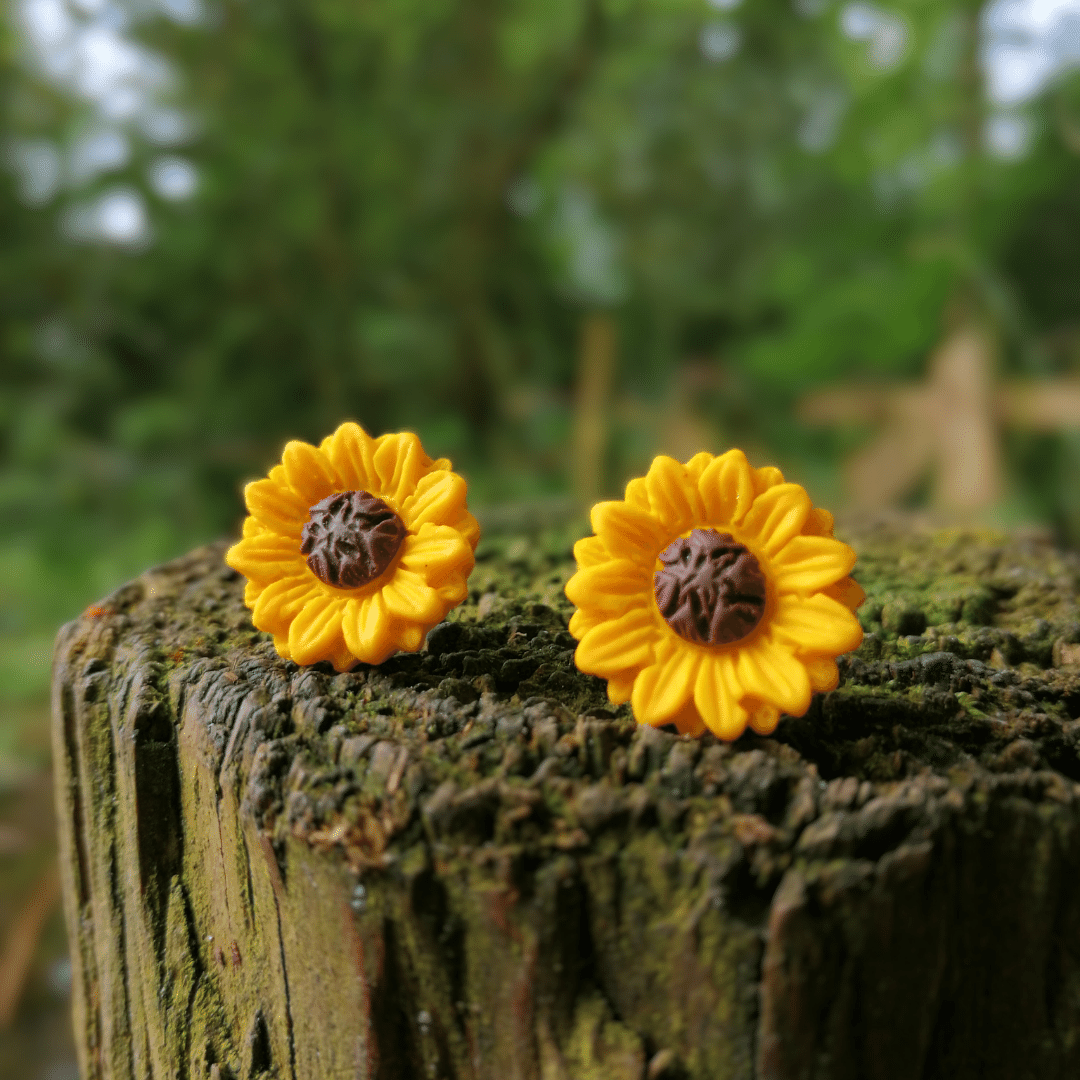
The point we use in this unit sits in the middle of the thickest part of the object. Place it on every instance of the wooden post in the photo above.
(465, 864)
(947, 426)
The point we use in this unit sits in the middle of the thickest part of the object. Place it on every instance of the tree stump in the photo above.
(466, 864)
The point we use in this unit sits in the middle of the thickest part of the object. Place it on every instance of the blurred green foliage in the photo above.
(404, 210)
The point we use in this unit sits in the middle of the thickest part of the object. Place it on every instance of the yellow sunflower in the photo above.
(713, 596)
(354, 549)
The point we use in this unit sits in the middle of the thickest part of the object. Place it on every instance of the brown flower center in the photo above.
(711, 590)
(351, 537)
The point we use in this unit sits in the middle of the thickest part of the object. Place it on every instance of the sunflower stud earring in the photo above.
(354, 549)
(713, 597)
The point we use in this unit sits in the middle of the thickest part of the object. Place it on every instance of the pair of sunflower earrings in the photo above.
(713, 596)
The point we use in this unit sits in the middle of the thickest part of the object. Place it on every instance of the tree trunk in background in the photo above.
(592, 406)
(466, 864)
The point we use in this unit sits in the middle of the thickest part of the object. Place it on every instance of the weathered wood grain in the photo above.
(465, 864)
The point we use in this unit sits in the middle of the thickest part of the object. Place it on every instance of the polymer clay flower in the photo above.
(354, 549)
(713, 597)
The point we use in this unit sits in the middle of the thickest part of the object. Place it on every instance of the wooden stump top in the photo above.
(465, 863)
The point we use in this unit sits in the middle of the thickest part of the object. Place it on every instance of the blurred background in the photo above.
(552, 238)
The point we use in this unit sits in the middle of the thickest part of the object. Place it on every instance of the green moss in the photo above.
(599, 1047)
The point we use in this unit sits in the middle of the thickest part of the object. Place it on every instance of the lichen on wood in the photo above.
(466, 863)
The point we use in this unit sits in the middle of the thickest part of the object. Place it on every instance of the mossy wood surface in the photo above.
(466, 864)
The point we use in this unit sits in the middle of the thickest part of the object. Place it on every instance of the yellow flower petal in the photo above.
(688, 721)
(637, 494)
(384, 455)
(777, 516)
(848, 591)
(252, 591)
(400, 462)
(581, 622)
(436, 553)
(351, 451)
(342, 658)
(277, 507)
(665, 686)
(767, 671)
(617, 644)
(350, 623)
(366, 629)
(315, 631)
(628, 532)
(452, 592)
(408, 598)
(763, 718)
(469, 528)
(672, 494)
(823, 673)
(620, 686)
(590, 551)
(766, 477)
(726, 489)
(309, 472)
(266, 557)
(408, 637)
(281, 644)
(613, 587)
(809, 563)
(282, 600)
(439, 498)
(818, 522)
(816, 623)
(715, 697)
(698, 464)
(252, 527)
(373, 624)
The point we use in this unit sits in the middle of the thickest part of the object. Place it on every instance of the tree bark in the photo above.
(466, 864)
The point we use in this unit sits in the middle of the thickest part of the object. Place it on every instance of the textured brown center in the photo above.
(711, 590)
(351, 537)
